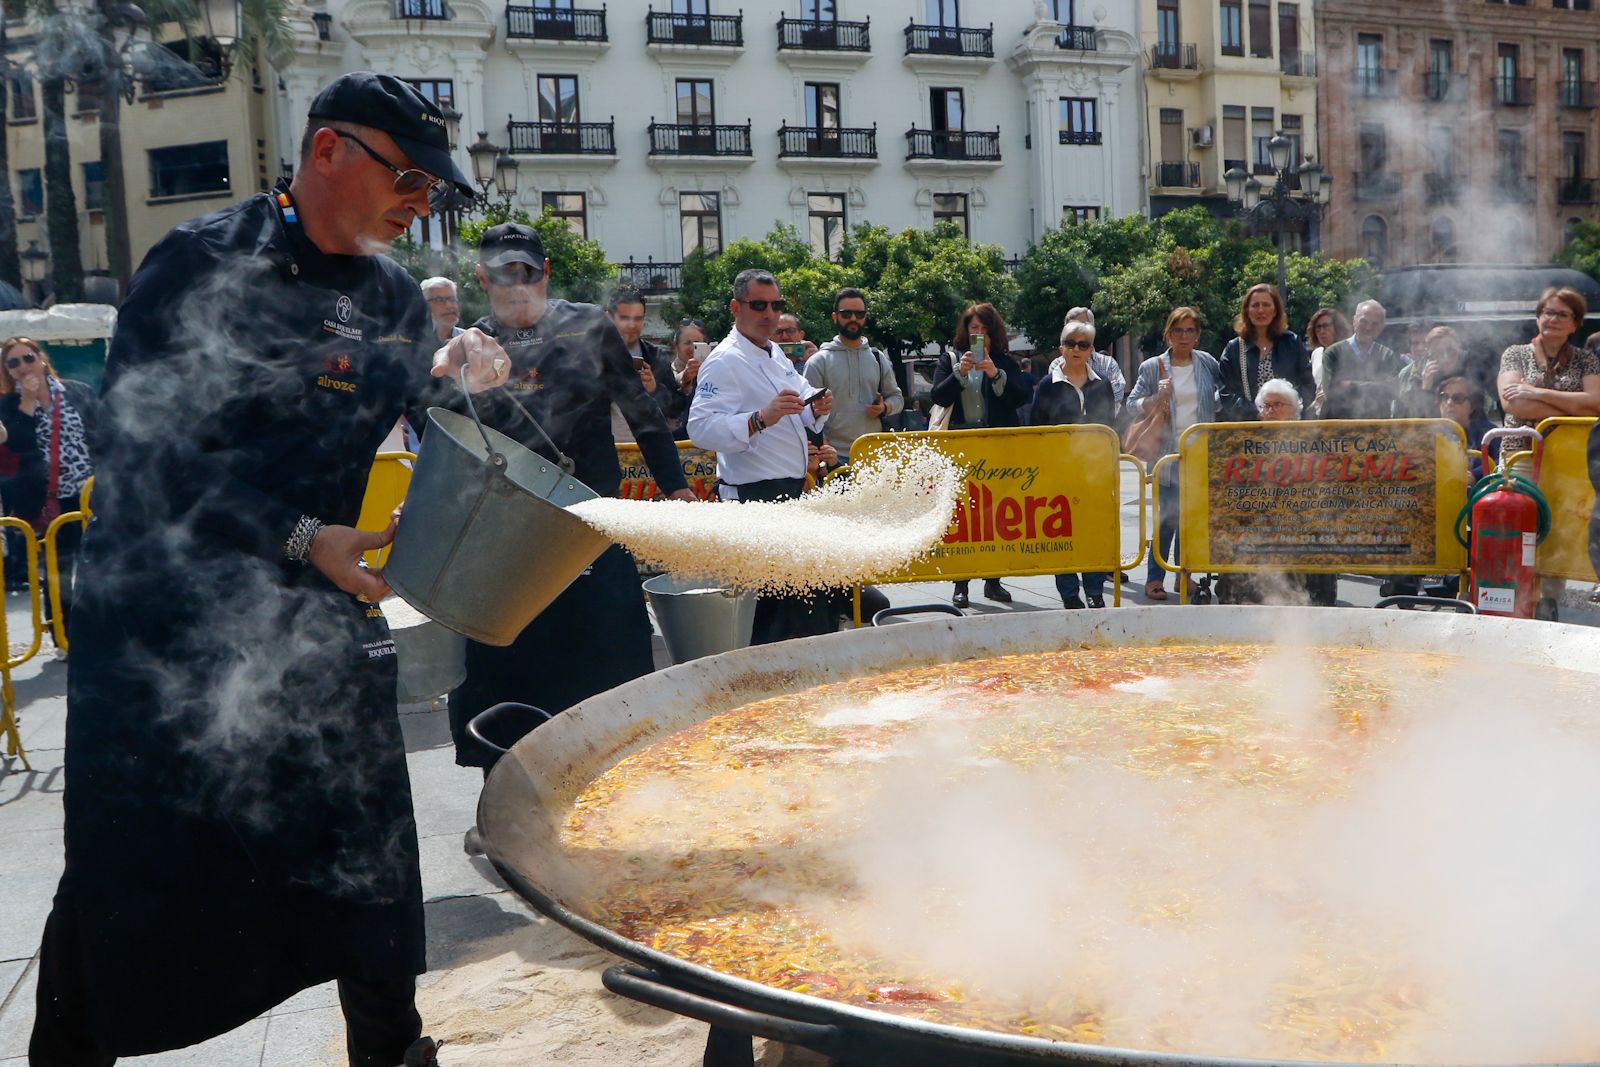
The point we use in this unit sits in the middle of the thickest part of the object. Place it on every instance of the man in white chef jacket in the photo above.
(751, 409)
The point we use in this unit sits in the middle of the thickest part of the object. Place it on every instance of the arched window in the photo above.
(1444, 241)
(1375, 240)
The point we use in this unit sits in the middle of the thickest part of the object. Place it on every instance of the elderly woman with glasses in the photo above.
(1549, 376)
(48, 421)
(1074, 393)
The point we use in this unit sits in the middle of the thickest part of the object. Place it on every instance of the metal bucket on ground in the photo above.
(485, 542)
(698, 619)
(432, 660)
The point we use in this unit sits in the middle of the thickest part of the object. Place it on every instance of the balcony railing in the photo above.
(982, 145)
(563, 138)
(1575, 191)
(1376, 185)
(1178, 175)
(1174, 56)
(1442, 188)
(1298, 64)
(1373, 81)
(689, 139)
(436, 10)
(949, 41)
(1077, 39)
(651, 277)
(1510, 91)
(1577, 95)
(666, 27)
(1440, 85)
(824, 35)
(556, 24)
(822, 142)
(1080, 137)
(1513, 188)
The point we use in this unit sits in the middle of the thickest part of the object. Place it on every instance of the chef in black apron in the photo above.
(568, 366)
(238, 812)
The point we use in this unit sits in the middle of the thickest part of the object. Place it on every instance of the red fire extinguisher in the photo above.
(1508, 518)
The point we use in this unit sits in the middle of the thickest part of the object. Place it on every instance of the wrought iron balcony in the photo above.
(667, 27)
(690, 139)
(1178, 175)
(979, 145)
(1077, 39)
(1511, 91)
(1298, 64)
(823, 35)
(823, 142)
(1373, 81)
(1575, 191)
(1442, 188)
(1376, 185)
(563, 138)
(1577, 95)
(950, 41)
(1440, 85)
(650, 277)
(556, 24)
(1080, 137)
(436, 10)
(1174, 56)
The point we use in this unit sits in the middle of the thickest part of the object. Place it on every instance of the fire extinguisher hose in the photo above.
(1510, 482)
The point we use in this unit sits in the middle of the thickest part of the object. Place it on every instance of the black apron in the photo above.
(779, 618)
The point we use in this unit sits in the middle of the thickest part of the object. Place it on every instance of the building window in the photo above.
(1443, 239)
(1261, 133)
(822, 105)
(570, 208)
(189, 169)
(1233, 137)
(700, 216)
(1289, 33)
(818, 11)
(696, 102)
(1261, 29)
(30, 193)
(1508, 157)
(1080, 120)
(1232, 28)
(1080, 212)
(1171, 136)
(1574, 154)
(24, 107)
(441, 91)
(558, 98)
(94, 187)
(945, 13)
(1369, 64)
(88, 97)
(690, 7)
(947, 109)
(1292, 129)
(1507, 60)
(1375, 240)
(952, 207)
(826, 211)
(1167, 36)
(1374, 148)
(1442, 150)
(1572, 77)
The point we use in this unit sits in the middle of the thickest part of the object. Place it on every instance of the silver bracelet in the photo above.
(299, 543)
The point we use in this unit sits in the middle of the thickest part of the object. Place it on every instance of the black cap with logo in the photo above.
(512, 242)
(386, 103)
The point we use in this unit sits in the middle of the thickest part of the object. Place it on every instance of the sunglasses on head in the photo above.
(513, 274)
(762, 305)
(406, 182)
(13, 362)
(851, 313)
(1077, 344)
(696, 323)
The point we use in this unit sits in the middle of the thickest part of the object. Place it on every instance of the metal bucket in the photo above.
(432, 660)
(485, 542)
(700, 620)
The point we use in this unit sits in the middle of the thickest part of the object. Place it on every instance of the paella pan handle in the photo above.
(649, 987)
(916, 609)
(1405, 603)
(506, 716)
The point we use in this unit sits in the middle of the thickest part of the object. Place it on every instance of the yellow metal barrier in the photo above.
(386, 490)
(8, 696)
(1564, 480)
(52, 564)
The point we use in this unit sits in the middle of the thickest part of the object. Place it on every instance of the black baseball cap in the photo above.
(386, 103)
(512, 242)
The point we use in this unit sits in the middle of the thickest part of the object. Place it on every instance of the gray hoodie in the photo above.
(856, 376)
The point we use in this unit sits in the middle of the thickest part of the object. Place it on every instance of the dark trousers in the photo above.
(778, 618)
(380, 1017)
(1166, 535)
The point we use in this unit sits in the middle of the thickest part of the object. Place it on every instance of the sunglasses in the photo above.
(513, 274)
(16, 361)
(851, 313)
(1077, 344)
(762, 305)
(406, 182)
(1454, 398)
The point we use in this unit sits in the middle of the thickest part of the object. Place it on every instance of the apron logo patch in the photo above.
(379, 649)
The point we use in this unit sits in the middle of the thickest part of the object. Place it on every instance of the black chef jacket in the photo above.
(238, 812)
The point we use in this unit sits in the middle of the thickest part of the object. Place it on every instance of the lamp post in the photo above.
(1280, 209)
(493, 165)
(35, 263)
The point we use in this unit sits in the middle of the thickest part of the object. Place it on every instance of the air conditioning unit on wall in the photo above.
(1201, 136)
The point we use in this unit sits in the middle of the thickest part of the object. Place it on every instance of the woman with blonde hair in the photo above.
(1264, 348)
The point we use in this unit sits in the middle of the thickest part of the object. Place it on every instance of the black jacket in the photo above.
(999, 409)
(1240, 377)
(24, 492)
(1058, 403)
(668, 397)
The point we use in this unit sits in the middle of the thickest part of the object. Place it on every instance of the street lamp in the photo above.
(493, 165)
(1280, 209)
(35, 261)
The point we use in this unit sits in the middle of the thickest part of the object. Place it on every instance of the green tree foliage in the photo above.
(1583, 251)
(807, 280)
(1314, 282)
(919, 281)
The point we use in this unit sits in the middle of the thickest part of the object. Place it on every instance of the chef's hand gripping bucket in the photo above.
(485, 543)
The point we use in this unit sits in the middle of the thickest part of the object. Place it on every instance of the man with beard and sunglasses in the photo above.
(239, 823)
(860, 377)
(569, 365)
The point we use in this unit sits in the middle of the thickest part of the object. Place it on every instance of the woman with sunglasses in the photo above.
(48, 421)
(1073, 394)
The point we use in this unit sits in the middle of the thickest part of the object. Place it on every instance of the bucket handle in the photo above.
(507, 709)
(499, 461)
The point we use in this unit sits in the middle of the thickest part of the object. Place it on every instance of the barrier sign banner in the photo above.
(1040, 500)
(1564, 480)
(699, 467)
(1376, 496)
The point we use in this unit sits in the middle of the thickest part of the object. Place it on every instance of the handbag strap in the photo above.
(55, 448)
